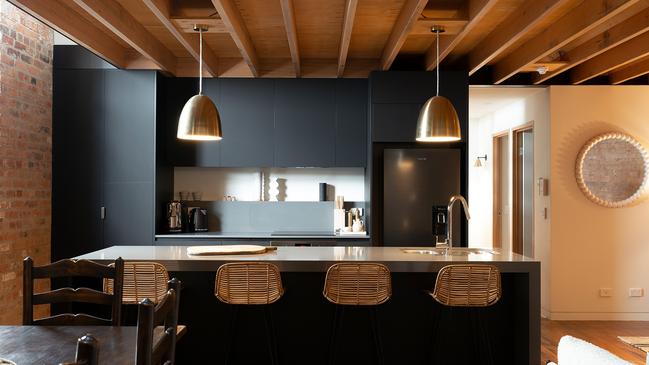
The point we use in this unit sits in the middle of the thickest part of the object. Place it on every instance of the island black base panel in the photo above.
(303, 321)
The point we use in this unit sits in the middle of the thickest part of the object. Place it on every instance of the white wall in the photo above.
(533, 107)
(594, 246)
(245, 184)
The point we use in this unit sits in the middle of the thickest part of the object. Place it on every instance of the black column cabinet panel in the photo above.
(394, 122)
(351, 122)
(305, 117)
(247, 119)
(129, 158)
(77, 181)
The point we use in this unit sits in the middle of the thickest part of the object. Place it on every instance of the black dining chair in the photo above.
(157, 328)
(69, 268)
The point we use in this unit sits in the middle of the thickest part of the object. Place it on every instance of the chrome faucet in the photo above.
(451, 204)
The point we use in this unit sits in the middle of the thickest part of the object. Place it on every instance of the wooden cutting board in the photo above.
(229, 250)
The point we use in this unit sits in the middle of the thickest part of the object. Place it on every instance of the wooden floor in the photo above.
(601, 333)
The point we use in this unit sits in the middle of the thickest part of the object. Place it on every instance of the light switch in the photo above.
(636, 292)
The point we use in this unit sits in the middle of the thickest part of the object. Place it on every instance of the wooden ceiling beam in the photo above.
(511, 30)
(617, 57)
(232, 19)
(114, 17)
(601, 43)
(162, 10)
(577, 22)
(66, 21)
(629, 72)
(288, 12)
(478, 9)
(410, 12)
(346, 35)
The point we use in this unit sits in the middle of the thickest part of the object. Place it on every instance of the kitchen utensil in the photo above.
(185, 195)
(198, 195)
(229, 250)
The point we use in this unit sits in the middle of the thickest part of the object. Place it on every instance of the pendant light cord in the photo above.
(437, 59)
(200, 61)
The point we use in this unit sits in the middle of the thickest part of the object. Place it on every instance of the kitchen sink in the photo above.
(456, 251)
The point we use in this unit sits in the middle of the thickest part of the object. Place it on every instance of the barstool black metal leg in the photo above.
(337, 323)
(229, 344)
(377, 336)
(435, 324)
(482, 323)
(270, 336)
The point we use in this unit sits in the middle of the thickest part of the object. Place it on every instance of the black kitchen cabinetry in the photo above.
(397, 96)
(103, 159)
(274, 123)
(305, 122)
(247, 114)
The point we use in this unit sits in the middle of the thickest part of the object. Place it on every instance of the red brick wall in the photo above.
(25, 151)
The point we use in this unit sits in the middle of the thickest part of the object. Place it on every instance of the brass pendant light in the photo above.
(199, 119)
(438, 121)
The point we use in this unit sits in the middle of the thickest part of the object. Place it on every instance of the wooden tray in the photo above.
(229, 250)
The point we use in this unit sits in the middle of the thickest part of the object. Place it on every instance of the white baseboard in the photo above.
(597, 316)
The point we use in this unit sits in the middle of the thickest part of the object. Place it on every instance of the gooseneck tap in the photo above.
(451, 204)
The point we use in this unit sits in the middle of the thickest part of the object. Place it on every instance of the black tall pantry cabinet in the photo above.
(103, 169)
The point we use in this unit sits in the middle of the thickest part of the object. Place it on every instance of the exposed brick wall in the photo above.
(25, 152)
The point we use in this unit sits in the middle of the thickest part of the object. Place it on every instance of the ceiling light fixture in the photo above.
(542, 70)
(438, 120)
(199, 119)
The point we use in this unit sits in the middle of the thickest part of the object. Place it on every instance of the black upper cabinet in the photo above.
(305, 116)
(208, 153)
(397, 96)
(247, 118)
(273, 123)
(129, 145)
(176, 92)
(129, 126)
(351, 122)
(394, 122)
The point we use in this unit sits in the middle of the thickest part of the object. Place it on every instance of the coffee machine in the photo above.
(176, 216)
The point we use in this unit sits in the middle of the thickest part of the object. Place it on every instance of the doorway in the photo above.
(523, 192)
(501, 191)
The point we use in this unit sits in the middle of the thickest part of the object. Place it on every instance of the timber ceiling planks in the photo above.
(581, 40)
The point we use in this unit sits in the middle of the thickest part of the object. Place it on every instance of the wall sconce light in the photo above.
(477, 161)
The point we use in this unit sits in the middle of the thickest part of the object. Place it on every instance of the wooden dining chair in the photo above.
(157, 328)
(141, 280)
(87, 351)
(69, 268)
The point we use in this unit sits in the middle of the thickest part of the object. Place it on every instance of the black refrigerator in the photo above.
(417, 182)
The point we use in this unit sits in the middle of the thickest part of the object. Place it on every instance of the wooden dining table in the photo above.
(51, 345)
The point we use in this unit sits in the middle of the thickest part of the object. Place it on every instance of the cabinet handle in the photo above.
(102, 212)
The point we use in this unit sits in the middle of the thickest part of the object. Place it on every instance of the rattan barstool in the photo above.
(357, 284)
(250, 284)
(142, 280)
(470, 286)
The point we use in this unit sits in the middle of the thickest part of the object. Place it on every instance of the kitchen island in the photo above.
(303, 318)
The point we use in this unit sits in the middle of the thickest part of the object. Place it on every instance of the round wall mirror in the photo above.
(612, 169)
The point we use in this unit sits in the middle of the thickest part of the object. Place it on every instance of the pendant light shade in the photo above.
(438, 121)
(199, 119)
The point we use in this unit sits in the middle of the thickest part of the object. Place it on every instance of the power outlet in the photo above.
(636, 292)
(605, 292)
